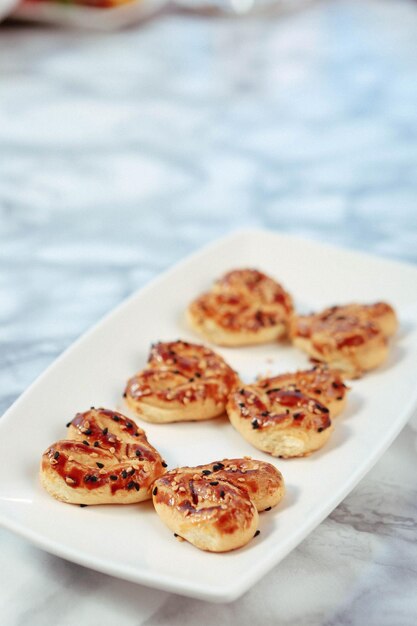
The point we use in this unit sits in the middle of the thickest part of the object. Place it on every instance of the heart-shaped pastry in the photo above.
(351, 338)
(320, 382)
(106, 459)
(243, 307)
(215, 506)
(284, 422)
(182, 381)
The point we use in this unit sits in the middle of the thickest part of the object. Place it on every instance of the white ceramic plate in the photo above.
(130, 541)
(88, 17)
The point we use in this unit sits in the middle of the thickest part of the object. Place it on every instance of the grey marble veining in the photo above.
(121, 153)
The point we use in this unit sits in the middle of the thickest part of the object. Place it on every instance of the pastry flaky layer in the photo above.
(352, 338)
(244, 307)
(105, 459)
(181, 382)
(215, 506)
(288, 415)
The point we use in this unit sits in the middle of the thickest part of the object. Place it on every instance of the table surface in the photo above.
(120, 154)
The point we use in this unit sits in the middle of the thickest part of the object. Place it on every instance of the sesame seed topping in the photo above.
(56, 455)
(255, 424)
(86, 443)
(116, 418)
(124, 474)
(99, 465)
(206, 472)
(105, 431)
(164, 464)
(258, 532)
(214, 482)
(268, 508)
(113, 477)
(155, 491)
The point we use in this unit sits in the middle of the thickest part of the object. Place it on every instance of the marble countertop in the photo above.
(120, 154)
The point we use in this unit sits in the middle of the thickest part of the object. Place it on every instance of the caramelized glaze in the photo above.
(182, 372)
(244, 300)
(104, 448)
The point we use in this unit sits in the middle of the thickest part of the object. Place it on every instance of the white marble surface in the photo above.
(121, 153)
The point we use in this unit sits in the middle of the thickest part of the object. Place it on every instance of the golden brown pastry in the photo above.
(352, 338)
(106, 459)
(244, 307)
(215, 506)
(284, 422)
(320, 382)
(181, 382)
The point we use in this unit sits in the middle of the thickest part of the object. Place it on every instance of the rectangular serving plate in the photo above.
(130, 541)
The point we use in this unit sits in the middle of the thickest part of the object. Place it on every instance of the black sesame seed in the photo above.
(83, 505)
(116, 418)
(125, 394)
(175, 535)
(96, 444)
(68, 424)
(155, 491)
(319, 430)
(255, 424)
(136, 434)
(88, 431)
(264, 413)
(129, 425)
(92, 408)
(86, 443)
(132, 471)
(93, 479)
(164, 464)
(87, 477)
(214, 482)
(99, 465)
(241, 404)
(222, 494)
(191, 380)
(113, 477)
(206, 472)
(339, 398)
(242, 392)
(124, 474)
(217, 467)
(197, 374)
(137, 486)
(298, 416)
(268, 508)
(258, 532)
(105, 431)
(138, 452)
(56, 455)
(131, 484)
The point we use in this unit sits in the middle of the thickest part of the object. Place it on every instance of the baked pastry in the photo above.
(283, 422)
(320, 382)
(215, 506)
(181, 382)
(244, 307)
(352, 338)
(106, 459)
